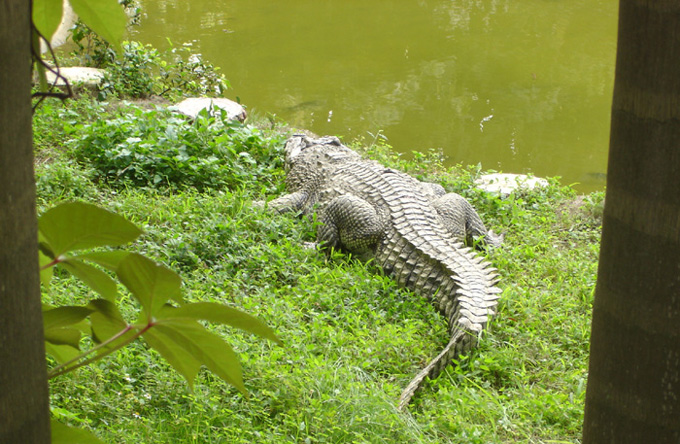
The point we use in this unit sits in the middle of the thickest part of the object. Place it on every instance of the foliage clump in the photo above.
(159, 148)
(141, 71)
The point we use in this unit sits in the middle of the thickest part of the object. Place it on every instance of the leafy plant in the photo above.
(131, 74)
(159, 149)
(140, 71)
(72, 236)
(56, 123)
(183, 72)
(93, 47)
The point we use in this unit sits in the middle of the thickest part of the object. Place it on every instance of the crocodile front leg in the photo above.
(292, 202)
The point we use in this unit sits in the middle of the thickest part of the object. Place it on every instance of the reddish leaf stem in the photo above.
(54, 262)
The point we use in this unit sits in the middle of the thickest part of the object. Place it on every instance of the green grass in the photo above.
(352, 339)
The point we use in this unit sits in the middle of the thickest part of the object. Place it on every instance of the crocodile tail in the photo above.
(458, 282)
(455, 346)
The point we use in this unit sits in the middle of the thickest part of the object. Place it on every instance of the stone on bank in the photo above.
(504, 184)
(192, 106)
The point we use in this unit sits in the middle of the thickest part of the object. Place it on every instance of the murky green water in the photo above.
(516, 85)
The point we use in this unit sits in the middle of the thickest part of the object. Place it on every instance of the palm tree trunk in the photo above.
(24, 410)
(633, 393)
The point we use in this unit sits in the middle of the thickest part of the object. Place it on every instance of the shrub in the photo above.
(141, 71)
(183, 73)
(158, 148)
(131, 74)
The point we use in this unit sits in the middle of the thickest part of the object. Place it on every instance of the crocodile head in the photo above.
(327, 149)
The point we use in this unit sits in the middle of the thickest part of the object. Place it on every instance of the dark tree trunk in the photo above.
(633, 393)
(24, 410)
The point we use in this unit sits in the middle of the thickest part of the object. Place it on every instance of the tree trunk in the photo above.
(633, 393)
(24, 409)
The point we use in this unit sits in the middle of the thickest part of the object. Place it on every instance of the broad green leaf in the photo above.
(152, 284)
(106, 320)
(95, 278)
(60, 413)
(63, 434)
(64, 316)
(107, 259)
(206, 347)
(63, 336)
(104, 17)
(77, 225)
(221, 314)
(180, 359)
(45, 273)
(47, 16)
(61, 353)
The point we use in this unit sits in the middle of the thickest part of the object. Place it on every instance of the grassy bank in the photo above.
(352, 339)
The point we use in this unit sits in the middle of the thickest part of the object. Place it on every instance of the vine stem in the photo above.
(67, 367)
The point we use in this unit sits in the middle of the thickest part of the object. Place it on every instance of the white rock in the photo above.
(192, 106)
(504, 184)
(77, 74)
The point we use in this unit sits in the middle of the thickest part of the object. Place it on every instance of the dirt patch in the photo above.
(583, 209)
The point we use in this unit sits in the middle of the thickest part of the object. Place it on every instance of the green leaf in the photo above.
(180, 359)
(107, 259)
(206, 348)
(63, 336)
(152, 284)
(45, 273)
(106, 320)
(63, 434)
(95, 278)
(104, 17)
(64, 316)
(77, 225)
(47, 16)
(61, 353)
(221, 314)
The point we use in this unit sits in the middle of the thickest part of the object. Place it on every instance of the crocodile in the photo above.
(414, 230)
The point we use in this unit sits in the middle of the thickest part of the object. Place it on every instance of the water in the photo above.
(514, 85)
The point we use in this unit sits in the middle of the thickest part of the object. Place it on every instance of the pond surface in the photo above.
(514, 85)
